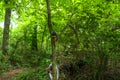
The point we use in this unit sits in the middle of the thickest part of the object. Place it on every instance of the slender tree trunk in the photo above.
(54, 72)
(5, 40)
(34, 39)
(41, 45)
(49, 16)
(103, 61)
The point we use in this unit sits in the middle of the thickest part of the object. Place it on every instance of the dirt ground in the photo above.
(8, 75)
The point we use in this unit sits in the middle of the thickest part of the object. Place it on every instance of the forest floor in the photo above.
(11, 73)
(111, 73)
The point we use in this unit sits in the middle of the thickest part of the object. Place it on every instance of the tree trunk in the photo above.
(42, 39)
(5, 40)
(102, 63)
(54, 72)
(34, 39)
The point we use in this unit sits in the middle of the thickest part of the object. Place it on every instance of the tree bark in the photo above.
(5, 40)
(54, 72)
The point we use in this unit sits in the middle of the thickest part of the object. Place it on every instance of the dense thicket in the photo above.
(86, 30)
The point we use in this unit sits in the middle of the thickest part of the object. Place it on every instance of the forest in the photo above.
(60, 40)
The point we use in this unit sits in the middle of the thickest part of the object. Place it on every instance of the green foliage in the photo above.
(33, 74)
(89, 28)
